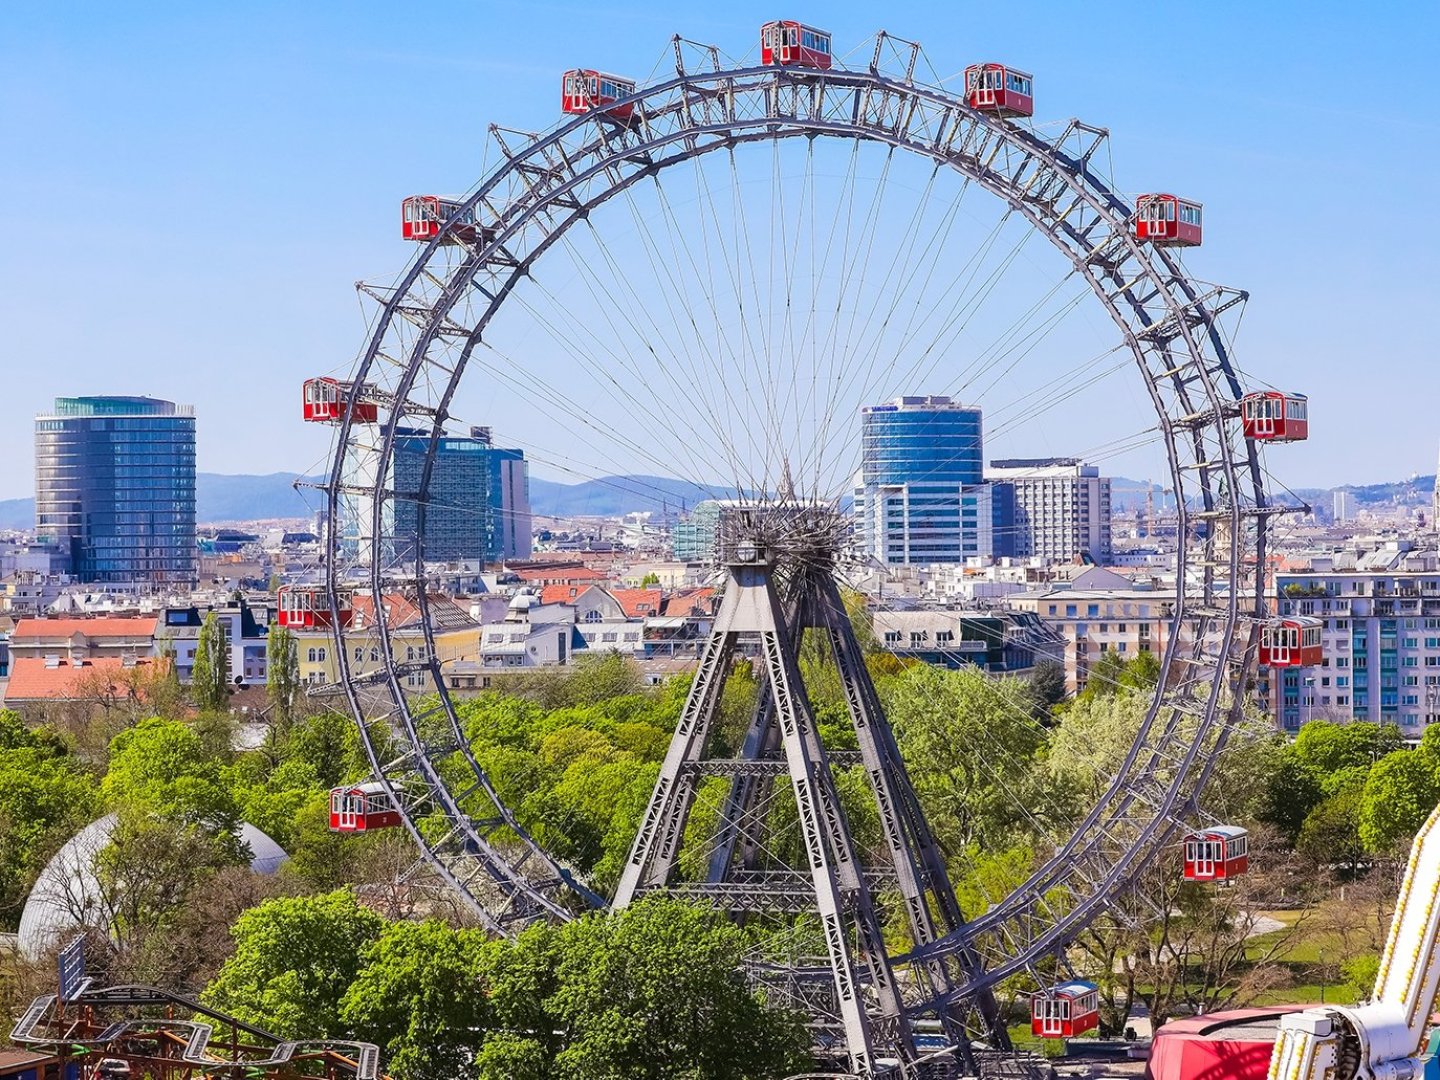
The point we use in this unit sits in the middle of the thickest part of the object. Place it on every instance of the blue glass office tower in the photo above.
(115, 488)
(478, 506)
(920, 496)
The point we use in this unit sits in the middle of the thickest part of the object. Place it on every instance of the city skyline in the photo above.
(305, 200)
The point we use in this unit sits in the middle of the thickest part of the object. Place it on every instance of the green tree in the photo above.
(1330, 835)
(1142, 672)
(1093, 738)
(145, 876)
(1327, 748)
(649, 993)
(972, 747)
(421, 995)
(1047, 685)
(44, 800)
(1290, 792)
(1104, 675)
(650, 581)
(329, 743)
(282, 674)
(1400, 792)
(295, 959)
(210, 676)
(162, 767)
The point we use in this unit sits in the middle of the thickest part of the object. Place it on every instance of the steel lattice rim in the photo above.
(1168, 321)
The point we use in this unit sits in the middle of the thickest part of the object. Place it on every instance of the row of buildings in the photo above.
(115, 493)
(923, 496)
(1378, 602)
(115, 486)
(540, 615)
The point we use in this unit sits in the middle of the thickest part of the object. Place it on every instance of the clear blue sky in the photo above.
(188, 191)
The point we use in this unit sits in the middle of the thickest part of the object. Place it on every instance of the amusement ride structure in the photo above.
(769, 349)
(783, 541)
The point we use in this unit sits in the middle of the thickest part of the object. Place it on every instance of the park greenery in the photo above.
(335, 942)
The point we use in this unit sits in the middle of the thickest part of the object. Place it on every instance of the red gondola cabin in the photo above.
(362, 807)
(583, 91)
(1064, 1011)
(997, 89)
(1167, 221)
(1272, 416)
(1217, 854)
(423, 216)
(325, 400)
(304, 607)
(1293, 642)
(791, 44)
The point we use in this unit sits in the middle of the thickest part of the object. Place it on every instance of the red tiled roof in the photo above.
(563, 594)
(638, 603)
(32, 680)
(400, 610)
(690, 602)
(106, 626)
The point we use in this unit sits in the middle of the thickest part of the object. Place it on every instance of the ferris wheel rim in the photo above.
(1162, 270)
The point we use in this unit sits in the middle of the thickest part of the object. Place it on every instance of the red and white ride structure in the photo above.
(1168, 221)
(1219, 853)
(1065, 1011)
(1293, 641)
(996, 88)
(791, 44)
(1275, 416)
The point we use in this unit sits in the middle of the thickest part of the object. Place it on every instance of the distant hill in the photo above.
(218, 497)
(611, 496)
(222, 497)
(1128, 495)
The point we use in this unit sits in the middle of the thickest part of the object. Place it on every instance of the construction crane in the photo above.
(1383, 1039)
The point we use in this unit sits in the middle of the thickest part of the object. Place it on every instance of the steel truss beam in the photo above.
(417, 356)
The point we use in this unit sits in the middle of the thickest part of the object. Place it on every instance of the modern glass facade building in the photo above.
(115, 488)
(694, 537)
(478, 507)
(920, 496)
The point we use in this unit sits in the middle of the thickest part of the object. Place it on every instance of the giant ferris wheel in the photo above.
(705, 275)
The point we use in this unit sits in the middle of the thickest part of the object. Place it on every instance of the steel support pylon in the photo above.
(768, 605)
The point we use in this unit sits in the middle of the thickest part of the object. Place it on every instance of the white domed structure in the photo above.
(67, 894)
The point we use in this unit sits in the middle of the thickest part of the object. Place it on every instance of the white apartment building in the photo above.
(1099, 612)
(1061, 508)
(1380, 609)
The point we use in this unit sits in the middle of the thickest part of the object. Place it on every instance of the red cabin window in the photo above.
(1272, 416)
(423, 217)
(324, 401)
(1291, 643)
(362, 807)
(792, 44)
(304, 607)
(583, 91)
(1217, 854)
(1168, 221)
(994, 88)
(1065, 1011)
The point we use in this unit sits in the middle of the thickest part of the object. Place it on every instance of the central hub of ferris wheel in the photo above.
(784, 532)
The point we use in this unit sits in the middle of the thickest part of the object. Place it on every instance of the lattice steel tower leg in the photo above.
(780, 583)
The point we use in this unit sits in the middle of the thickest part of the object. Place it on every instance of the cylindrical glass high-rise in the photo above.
(115, 488)
(920, 496)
